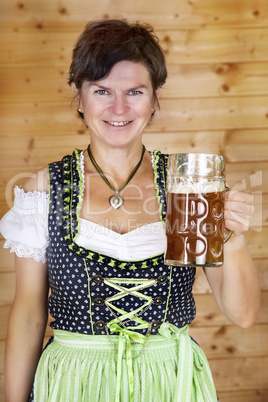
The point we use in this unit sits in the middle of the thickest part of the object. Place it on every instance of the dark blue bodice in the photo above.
(89, 290)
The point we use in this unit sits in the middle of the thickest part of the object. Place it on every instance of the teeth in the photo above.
(118, 123)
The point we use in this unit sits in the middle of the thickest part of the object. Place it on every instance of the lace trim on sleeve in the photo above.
(24, 226)
(22, 250)
(30, 194)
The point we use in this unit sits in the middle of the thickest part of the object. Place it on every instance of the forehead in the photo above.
(127, 73)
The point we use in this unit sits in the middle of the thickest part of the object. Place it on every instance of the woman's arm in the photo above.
(236, 285)
(28, 316)
(26, 327)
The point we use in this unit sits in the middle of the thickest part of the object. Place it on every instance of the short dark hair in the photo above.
(107, 42)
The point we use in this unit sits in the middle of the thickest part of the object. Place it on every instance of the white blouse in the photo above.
(25, 228)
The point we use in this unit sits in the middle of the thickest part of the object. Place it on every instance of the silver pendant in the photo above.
(116, 201)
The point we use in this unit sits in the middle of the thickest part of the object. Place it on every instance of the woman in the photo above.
(92, 227)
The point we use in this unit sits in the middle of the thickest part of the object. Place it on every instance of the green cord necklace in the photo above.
(116, 200)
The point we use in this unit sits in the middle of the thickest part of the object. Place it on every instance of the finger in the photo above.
(236, 222)
(238, 216)
(239, 197)
(236, 227)
(239, 208)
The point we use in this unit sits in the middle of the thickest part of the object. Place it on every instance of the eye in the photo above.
(135, 92)
(101, 92)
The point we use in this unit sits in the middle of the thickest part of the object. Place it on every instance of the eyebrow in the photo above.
(141, 86)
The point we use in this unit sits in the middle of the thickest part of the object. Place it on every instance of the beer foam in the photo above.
(190, 187)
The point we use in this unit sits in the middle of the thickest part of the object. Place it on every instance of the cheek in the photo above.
(144, 108)
(92, 109)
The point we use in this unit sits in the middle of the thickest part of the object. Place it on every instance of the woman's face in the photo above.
(118, 108)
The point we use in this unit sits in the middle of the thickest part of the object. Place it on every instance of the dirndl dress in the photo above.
(120, 326)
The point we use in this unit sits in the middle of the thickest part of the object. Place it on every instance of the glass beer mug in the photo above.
(195, 210)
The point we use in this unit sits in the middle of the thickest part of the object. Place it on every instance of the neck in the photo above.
(117, 162)
(116, 200)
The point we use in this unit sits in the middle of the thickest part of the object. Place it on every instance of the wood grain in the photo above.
(215, 101)
(47, 84)
(229, 341)
(258, 395)
(246, 373)
(70, 15)
(7, 288)
(181, 46)
(209, 314)
(201, 285)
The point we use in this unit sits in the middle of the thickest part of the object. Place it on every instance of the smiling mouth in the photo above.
(118, 123)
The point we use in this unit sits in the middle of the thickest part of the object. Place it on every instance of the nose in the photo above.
(119, 105)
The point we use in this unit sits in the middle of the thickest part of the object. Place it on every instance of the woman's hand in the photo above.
(238, 211)
(236, 286)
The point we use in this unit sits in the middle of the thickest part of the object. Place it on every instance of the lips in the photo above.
(118, 123)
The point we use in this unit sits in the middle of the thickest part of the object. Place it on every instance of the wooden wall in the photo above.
(215, 100)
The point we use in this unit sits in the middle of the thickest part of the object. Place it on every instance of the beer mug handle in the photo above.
(227, 232)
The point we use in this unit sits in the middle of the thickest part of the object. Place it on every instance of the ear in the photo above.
(155, 100)
(74, 89)
(76, 94)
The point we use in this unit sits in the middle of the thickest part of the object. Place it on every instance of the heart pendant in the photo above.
(116, 201)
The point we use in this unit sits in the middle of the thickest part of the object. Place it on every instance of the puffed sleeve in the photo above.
(25, 226)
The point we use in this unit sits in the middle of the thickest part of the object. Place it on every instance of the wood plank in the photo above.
(184, 81)
(262, 267)
(181, 46)
(257, 243)
(7, 288)
(245, 175)
(37, 150)
(225, 45)
(41, 49)
(211, 114)
(42, 118)
(28, 84)
(217, 79)
(6, 258)
(257, 395)
(231, 341)
(247, 147)
(71, 15)
(209, 314)
(233, 144)
(4, 313)
(2, 351)
(2, 397)
(201, 285)
(177, 115)
(240, 373)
